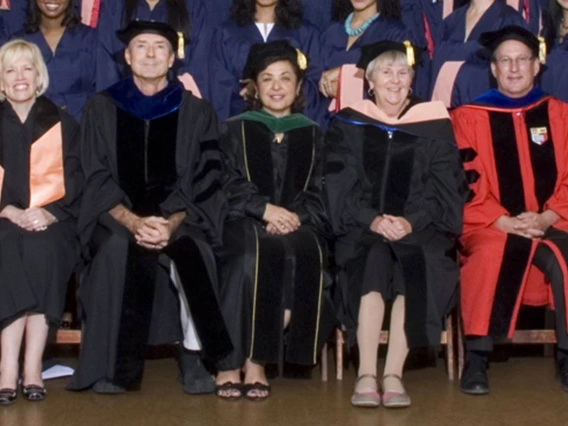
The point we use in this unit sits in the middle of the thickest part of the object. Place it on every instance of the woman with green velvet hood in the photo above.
(274, 286)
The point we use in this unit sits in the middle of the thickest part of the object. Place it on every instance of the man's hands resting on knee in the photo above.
(151, 232)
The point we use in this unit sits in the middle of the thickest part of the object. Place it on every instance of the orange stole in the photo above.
(5, 5)
(189, 84)
(351, 87)
(47, 179)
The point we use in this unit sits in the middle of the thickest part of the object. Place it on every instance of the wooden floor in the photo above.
(523, 392)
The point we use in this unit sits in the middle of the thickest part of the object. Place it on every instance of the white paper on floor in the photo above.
(56, 372)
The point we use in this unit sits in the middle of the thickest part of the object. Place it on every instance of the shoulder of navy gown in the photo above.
(554, 79)
(12, 21)
(318, 12)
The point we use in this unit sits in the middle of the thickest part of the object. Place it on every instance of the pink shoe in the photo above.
(367, 399)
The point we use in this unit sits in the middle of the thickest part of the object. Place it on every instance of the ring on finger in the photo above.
(36, 222)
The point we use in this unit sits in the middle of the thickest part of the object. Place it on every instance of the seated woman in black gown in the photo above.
(273, 281)
(41, 181)
(393, 181)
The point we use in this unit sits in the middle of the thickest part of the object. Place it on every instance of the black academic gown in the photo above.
(261, 275)
(408, 168)
(157, 156)
(35, 266)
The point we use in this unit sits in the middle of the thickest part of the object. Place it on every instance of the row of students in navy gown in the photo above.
(82, 60)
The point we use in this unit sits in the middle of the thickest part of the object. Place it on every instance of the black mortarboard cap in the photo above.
(371, 51)
(492, 39)
(280, 50)
(136, 27)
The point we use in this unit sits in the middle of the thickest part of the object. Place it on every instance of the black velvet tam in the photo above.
(371, 51)
(135, 28)
(493, 39)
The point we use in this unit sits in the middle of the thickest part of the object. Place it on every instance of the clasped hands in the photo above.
(280, 221)
(152, 232)
(528, 224)
(31, 219)
(392, 228)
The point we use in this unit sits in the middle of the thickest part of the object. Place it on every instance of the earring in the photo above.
(410, 91)
(256, 95)
(371, 92)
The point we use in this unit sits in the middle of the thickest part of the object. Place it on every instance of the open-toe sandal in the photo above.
(34, 392)
(229, 390)
(250, 389)
(367, 398)
(7, 396)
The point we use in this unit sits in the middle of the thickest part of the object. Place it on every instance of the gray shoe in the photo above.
(392, 399)
(194, 376)
(106, 387)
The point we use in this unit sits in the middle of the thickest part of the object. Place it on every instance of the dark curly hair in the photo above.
(342, 8)
(253, 103)
(178, 15)
(289, 13)
(33, 17)
(551, 19)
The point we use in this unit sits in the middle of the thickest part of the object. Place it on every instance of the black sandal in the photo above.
(256, 386)
(231, 387)
(34, 392)
(7, 396)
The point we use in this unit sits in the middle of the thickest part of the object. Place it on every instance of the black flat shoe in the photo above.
(8, 396)
(106, 387)
(562, 372)
(34, 392)
(474, 379)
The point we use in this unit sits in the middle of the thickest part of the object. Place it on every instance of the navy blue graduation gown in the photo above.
(230, 51)
(12, 20)
(473, 79)
(110, 51)
(334, 42)
(71, 68)
(555, 76)
(455, 47)
(217, 12)
(318, 13)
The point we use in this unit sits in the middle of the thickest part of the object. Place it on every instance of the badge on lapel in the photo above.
(539, 135)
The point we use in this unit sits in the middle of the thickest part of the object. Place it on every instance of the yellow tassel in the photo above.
(181, 45)
(541, 50)
(409, 53)
(302, 60)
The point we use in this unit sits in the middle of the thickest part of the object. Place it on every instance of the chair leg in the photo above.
(450, 355)
(461, 348)
(324, 363)
(339, 353)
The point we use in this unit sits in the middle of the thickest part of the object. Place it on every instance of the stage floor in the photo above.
(523, 392)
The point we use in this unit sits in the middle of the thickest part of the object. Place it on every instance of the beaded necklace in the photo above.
(358, 31)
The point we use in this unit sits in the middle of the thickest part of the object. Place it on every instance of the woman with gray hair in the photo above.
(393, 182)
(40, 185)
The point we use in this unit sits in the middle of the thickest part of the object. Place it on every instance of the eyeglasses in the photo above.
(521, 61)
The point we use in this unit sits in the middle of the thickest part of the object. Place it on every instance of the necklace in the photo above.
(358, 31)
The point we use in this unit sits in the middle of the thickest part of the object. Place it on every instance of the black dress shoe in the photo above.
(106, 387)
(195, 378)
(474, 379)
(562, 372)
(8, 396)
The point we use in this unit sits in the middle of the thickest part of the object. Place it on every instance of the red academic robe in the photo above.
(516, 160)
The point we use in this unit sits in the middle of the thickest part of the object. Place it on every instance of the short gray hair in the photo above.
(14, 50)
(391, 57)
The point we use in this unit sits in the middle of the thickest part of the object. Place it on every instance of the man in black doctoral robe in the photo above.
(152, 208)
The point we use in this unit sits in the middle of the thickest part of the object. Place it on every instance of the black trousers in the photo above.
(544, 260)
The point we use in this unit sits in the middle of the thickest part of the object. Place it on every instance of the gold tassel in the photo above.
(541, 50)
(181, 45)
(409, 53)
(302, 60)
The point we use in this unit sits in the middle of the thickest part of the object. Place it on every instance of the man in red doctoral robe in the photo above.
(513, 142)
